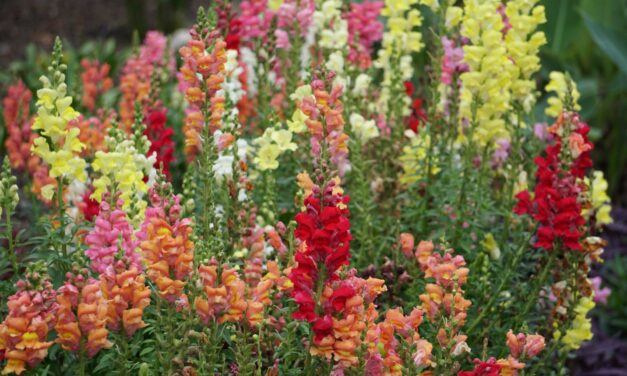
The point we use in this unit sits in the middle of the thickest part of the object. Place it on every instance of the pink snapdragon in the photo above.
(111, 233)
(600, 294)
(452, 61)
(364, 29)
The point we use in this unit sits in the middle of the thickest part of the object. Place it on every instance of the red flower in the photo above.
(160, 138)
(489, 368)
(232, 38)
(324, 233)
(89, 207)
(555, 204)
(418, 114)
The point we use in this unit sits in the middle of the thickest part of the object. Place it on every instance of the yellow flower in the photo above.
(53, 115)
(121, 170)
(453, 17)
(581, 328)
(297, 124)
(490, 245)
(301, 92)
(414, 159)
(559, 85)
(283, 139)
(399, 42)
(266, 158)
(274, 5)
(599, 199)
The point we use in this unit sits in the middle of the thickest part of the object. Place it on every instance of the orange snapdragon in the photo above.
(200, 78)
(166, 247)
(24, 332)
(82, 313)
(125, 289)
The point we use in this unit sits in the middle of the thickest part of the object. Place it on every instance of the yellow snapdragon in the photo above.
(399, 42)
(272, 144)
(58, 146)
(559, 86)
(297, 123)
(491, 72)
(122, 169)
(599, 199)
(581, 328)
(523, 46)
(414, 159)
(363, 129)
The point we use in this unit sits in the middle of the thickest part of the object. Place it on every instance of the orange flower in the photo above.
(24, 332)
(167, 250)
(127, 296)
(82, 315)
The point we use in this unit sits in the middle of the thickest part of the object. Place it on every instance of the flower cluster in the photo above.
(82, 316)
(167, 250)
(323, 230)
(323, 110)
(17, 121)
(555, 204)
(24, 331)
(96, 80)
(112, 235)
(58, 145)
(201, 77)
(137, 75)
(124, 288)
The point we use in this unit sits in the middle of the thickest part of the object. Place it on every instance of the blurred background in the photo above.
(586, 38)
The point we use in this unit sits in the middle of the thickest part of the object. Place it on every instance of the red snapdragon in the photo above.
(555, 203)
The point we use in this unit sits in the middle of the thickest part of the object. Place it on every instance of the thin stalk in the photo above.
(504, 281)
(9, 235)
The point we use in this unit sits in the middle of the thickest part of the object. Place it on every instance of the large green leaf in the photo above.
(608, 40)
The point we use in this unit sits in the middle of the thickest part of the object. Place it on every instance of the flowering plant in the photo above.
(299, 195)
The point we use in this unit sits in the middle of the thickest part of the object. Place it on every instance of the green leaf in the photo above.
(610, 41)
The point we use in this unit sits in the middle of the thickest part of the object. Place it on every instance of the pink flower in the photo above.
(364, 30)
(282, 39)
(452, 61)
(111, 234)
(600, 294)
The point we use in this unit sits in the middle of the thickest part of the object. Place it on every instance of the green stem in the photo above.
(61, 207)
(9, 234)
(504, 281)
(82, 359)
(532, 299)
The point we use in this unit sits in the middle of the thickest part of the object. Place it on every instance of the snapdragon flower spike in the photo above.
(160, 138)
(124, 287)
(383, 341)
(82, 313)
(96, 80)
(200, 78)
(364, 30)
(24, 331)
(17, 120)
(167, 249)
(111, 234)
(348, 307)
(224, 299)
(556, 205)
(135, 82)
(324, 234)
(325, 122)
